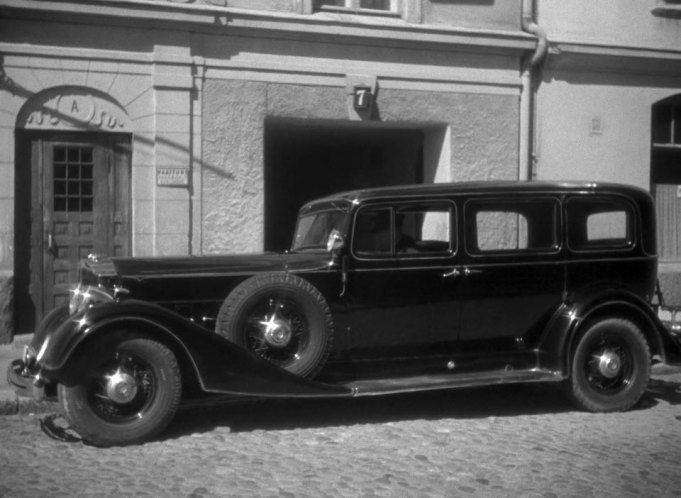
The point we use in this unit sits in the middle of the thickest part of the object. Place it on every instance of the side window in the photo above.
(404, 230)
(504, 226)
(423, 229)
(595, 224)
(373, 232)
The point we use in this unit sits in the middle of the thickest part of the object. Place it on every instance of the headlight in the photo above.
(86, 297)
(29, 357)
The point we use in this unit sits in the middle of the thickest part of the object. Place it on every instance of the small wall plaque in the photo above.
(172, 177)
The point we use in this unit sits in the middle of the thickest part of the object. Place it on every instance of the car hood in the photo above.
(215, 265)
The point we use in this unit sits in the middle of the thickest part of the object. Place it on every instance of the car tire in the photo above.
(610, 366)
(121, 391)
(281, 318)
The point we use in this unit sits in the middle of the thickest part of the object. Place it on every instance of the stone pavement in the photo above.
(501, 441)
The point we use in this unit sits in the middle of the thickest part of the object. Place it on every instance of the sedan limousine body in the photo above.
(387, 290)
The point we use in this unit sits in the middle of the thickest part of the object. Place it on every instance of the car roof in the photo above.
(491, 187)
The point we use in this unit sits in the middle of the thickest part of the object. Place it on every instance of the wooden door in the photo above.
(84, 183)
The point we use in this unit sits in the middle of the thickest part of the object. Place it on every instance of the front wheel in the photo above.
(122, 392)
(610, 366)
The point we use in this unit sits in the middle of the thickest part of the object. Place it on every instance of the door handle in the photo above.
(467, 271)
(454, 273)
(51, 245)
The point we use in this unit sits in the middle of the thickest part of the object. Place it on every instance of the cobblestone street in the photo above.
(501, 441)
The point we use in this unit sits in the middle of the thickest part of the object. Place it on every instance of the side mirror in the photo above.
(335, 242)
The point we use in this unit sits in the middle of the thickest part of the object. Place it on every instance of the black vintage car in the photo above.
(383, 291)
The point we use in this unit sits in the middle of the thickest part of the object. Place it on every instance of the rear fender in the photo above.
(218, 365)
(574, 317)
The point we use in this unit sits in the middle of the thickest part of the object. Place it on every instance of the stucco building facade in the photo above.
(171, 127)
(608, 105)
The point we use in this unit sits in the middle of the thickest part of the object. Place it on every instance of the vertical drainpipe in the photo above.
(530, 70)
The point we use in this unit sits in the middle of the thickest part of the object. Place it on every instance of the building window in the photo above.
(665, 175)
(363, 6)
(666, 150)
(73, 179)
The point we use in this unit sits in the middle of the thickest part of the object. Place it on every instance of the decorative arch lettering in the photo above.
(73, 108)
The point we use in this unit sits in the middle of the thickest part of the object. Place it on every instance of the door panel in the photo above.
(506, 306)
(84, 182)
(514, 277)
(401, 293)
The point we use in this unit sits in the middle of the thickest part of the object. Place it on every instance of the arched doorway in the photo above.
(665, 175)
(72, 191)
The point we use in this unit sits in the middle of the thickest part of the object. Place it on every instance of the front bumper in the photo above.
(23, 382)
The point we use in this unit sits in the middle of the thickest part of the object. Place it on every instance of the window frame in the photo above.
(393, 255)
(471, 210)
(353, 6)
(630, 210)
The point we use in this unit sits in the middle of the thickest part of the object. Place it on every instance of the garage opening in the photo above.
(306, 159)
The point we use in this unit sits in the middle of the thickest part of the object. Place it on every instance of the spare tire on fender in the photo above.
(281, 318)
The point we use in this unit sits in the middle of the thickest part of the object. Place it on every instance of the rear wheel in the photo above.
(610, 366)
(122, 392)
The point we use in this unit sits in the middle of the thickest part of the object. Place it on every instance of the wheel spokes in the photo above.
(608, 368)
(276, 330)
(123, 388)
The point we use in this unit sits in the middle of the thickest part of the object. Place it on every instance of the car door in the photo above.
(512, 281)
(401, 294)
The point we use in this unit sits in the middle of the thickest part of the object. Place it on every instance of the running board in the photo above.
(376, 387)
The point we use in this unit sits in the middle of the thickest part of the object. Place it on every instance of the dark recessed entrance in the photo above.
(306, 159)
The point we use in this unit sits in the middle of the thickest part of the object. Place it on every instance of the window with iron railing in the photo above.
(359, 6)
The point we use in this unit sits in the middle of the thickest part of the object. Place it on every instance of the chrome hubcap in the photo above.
(121, 387)
(277, 332)
(609, 364)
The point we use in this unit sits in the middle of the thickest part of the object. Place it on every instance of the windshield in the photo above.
(321, 229)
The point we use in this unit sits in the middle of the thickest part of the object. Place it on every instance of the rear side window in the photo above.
(511, 226)
(595, 224)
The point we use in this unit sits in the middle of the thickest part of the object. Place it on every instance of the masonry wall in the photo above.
(483, 143)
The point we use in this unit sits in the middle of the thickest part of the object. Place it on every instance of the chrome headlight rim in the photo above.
(86, 296)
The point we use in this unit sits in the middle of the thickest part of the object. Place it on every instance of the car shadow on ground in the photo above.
(288, 414)
(470, 403)
(662, 390)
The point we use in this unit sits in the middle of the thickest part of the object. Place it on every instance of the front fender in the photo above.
(219, 365)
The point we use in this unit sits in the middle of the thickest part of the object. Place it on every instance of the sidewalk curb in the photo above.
(14, 405)
(10, 402)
